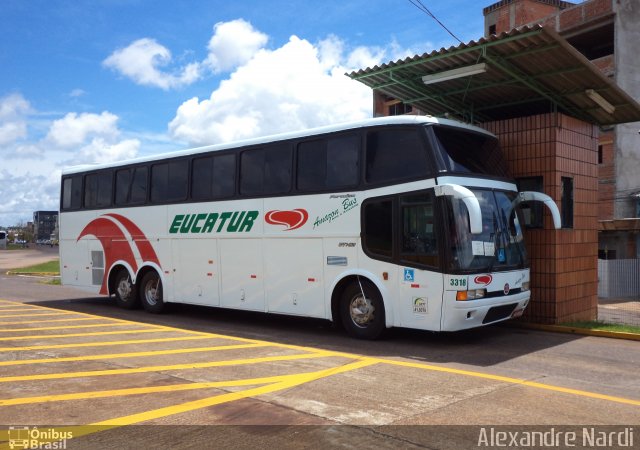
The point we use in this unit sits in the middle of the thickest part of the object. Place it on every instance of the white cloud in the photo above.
(77, 93)
(74, 129)
(25, 193)
(30, 172)
(141, 61)
(296, 86)
(101, 151)
(233, 44)
(13, 124)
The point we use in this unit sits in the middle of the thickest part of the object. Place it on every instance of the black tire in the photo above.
(125, 291)
(362, 317)
(151, 293)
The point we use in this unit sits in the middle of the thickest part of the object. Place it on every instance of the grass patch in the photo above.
(16, 247)
(50, 268)
(52, 282)
(602, 326)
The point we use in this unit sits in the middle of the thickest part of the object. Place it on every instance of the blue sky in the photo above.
(104, 80)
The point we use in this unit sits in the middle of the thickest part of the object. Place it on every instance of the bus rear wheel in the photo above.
(126, 292)
(362, 310)
(151, 293)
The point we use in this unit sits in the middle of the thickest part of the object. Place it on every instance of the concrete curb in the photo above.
(34, 274)
(580, 331)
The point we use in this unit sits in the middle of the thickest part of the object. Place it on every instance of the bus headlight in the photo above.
(525, 286)
(473, 294)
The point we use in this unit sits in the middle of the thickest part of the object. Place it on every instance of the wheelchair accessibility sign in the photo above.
(409, 275)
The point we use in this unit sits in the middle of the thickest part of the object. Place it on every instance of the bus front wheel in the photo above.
(362, 310)
(125, 290)
(151, 292)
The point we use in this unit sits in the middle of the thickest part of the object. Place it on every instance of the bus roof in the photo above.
(391, 120)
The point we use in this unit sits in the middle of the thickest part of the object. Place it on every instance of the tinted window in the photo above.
(566, 186)
(532, 212)
(213, 177)
(468, 152)
(97, 189)
(265, 171)
(419, 243)
(395, 154)
(72, 192)
(328, 163)
(169, 181)
(131, 186)
(378, 227)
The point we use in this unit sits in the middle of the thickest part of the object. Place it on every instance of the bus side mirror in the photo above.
(469, 200)
(528, 196)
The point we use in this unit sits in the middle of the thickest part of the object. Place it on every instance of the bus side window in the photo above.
(72, 192)
(213, 177)
(419, 243)
(378, 228)
(328, 163)
(266, 171)
(169, 181)
(98, 189)
(131, 186)
(395, 154)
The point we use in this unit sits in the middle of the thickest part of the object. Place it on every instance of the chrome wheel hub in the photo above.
(151, 292)
(124, 288)
(361, 310)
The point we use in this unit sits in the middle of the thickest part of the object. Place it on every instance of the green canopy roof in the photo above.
(526, 71)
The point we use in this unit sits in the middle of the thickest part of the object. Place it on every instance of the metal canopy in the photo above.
(526, 71)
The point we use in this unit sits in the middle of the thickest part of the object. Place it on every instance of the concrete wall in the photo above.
(627, 145)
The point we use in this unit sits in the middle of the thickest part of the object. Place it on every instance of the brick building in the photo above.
(554, 111)
(605, 31)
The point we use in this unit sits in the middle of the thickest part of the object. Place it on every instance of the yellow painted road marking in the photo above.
(97, 333)
(11, 305)
(147, 390)
(102, 344)
(19, 310)
(174, 351)
(66, 327)
(277, 383)
(288, 382)
(510, 380)
(61, 313)
(202, 365)
(168, 328)
(25, 322)
(399, 363)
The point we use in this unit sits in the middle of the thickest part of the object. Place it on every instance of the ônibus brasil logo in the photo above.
(110, 230)
(292, 220)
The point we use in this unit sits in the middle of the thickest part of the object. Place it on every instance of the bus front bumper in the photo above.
(461, 315)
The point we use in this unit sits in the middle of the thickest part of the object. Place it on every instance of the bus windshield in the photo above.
(469, 152)
(500, 245)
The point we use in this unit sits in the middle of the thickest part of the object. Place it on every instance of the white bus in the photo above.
(399, 221)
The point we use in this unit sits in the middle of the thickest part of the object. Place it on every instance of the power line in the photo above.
(418, 4)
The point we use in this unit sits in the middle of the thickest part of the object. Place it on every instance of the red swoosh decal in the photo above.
(116, 245)
(144, 246)
(291, 219)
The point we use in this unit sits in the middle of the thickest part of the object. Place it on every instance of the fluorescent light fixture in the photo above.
(599, 99)
(455, 73)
